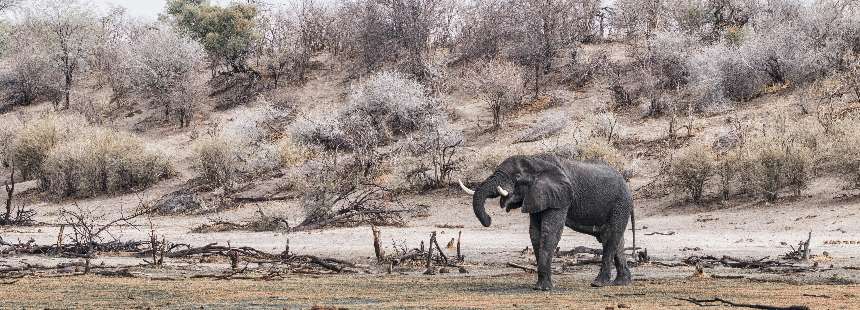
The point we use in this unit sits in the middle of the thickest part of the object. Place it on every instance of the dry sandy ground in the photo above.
(411, 291)
(738, 229)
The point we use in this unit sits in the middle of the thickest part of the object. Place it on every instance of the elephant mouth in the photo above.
(512, 204)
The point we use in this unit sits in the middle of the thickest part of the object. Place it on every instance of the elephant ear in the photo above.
(550, 190)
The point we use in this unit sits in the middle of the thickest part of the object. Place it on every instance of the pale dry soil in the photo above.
(411, 291)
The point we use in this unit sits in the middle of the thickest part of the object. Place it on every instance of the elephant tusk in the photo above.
(502, 191)
(466, 189)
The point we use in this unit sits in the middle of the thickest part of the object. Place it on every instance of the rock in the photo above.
(444, 270)
(463, 270)
(430, 271)
(178, 202)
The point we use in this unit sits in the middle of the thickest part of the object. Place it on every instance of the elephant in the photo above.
(588, 196)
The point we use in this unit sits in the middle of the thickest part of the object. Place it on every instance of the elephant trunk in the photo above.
(488, 189)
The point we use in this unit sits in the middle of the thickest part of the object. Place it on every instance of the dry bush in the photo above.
(320, 129)
(293, 153)
(167, 78)
(580, 74)
(30, 77)
(843, 155)
(782, 157)
(9, 127)
(434, 156)
(606, 125)
(598, 150)
(387, 104)
(691, 169)
(101, 161)
(548, 125)
(729, 169)
(245, 146)
(719, 73)
(217, 161)
(500, 85)
(335, 192)
(36, 139)
(666, 54)
(384, 107)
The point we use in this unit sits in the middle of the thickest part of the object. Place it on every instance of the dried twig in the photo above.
(718, 301)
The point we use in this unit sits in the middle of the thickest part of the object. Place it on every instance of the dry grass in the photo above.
(397, 292)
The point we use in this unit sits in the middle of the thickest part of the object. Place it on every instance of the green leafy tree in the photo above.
(226, 33)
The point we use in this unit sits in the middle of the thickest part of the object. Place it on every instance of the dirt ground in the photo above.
(508, 290)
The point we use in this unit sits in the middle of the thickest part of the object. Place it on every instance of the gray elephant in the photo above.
(589, 197)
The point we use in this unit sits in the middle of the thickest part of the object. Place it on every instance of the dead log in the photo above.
(528, 269)
(718, 301)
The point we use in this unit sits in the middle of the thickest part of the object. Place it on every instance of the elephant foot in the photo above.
(600, 282)
(543, 286)
(622, 281)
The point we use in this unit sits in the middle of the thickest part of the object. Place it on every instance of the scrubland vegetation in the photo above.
(364, 101)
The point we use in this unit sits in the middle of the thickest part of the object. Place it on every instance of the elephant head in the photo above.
(531, 183)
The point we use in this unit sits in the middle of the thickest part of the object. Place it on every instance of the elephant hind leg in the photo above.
(623, 276)
(609, 249)
(619, 223)
(612, 238)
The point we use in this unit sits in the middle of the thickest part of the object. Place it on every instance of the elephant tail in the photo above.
(633, 223)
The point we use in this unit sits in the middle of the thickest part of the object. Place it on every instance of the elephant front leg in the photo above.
(552, 223)
(534, 234)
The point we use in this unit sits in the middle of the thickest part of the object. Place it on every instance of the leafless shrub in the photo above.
(606, 125)
(242, 147)
(374, 34)
(62, 29)
(336, 193)
(548, 125)
(434, 156)
(320, 129)
(89, 228)
(386, 106)
(286, 41)
(783, 156)
(691, 169)
(500, 85)
(581, 73)
(844, 153)
(30, 78)
(720, 74)
(167, 78)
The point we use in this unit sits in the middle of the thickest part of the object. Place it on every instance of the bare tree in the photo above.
(64, 27)
(397, 32)
(285, 44)
(530, 33)
(167, 78)
(500, 85)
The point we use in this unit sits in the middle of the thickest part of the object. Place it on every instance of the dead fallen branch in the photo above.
(802, 250)
(528, 269)
(263, 222)
(668, 233)
(716, 301)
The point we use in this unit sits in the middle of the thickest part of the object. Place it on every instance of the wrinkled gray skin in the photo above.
(590, 198)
